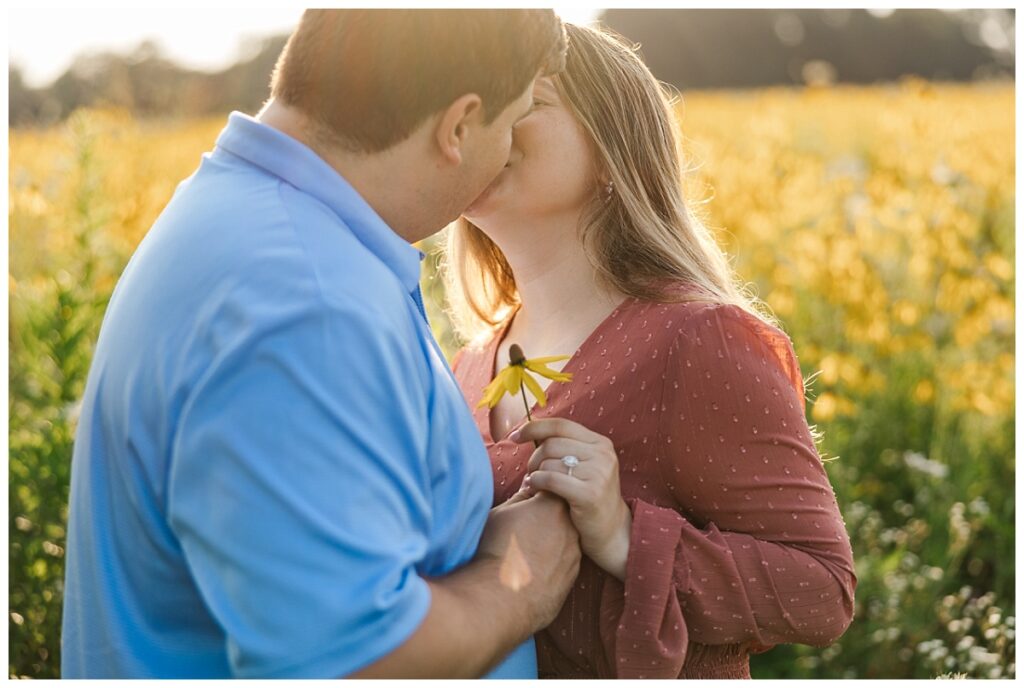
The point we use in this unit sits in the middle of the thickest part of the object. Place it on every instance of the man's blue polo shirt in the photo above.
(272, 452)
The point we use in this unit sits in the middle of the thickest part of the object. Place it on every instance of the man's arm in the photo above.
(528, 559)
(294, 493)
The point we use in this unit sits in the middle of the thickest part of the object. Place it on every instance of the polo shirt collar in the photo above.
(297, 164)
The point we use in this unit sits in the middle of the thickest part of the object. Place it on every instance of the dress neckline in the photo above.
(490, 359)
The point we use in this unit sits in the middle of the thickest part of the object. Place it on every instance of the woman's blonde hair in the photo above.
(643, 240)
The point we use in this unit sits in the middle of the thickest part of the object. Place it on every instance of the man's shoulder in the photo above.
(343, 267)
(238, 253)
(251, 227)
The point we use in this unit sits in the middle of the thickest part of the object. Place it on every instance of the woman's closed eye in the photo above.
(533, 108)
(525, 117)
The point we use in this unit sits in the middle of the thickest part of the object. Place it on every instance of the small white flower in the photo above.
(919, 462)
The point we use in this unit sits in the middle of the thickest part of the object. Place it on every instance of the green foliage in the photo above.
(924, 467)
(54, 324)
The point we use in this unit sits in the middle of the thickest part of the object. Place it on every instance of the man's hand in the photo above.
(596, 506)
(539, 553)
(526, 562)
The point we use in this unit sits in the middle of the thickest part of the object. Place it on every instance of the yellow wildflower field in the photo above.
(877, 223)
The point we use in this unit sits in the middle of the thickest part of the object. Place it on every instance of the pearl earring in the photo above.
(609, 189)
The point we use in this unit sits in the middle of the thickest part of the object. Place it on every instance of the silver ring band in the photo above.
(570, 462)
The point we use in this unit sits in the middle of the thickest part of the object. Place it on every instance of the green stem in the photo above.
(522, 388)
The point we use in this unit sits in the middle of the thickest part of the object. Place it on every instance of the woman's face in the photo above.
(550, 173)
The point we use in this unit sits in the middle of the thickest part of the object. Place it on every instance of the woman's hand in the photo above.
(592, 491)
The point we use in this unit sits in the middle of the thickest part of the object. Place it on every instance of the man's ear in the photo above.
(453, 127)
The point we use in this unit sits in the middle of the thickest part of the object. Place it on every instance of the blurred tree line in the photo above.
(698, 49)
(687, 48)
(148, 84)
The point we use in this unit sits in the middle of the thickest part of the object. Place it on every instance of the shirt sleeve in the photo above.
(296, 490)
(755, 550)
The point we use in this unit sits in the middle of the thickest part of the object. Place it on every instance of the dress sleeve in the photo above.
(755, 549)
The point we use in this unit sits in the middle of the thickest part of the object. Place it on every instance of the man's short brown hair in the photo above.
(370, 77)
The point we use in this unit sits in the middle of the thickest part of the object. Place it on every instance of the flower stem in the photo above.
(522, 388)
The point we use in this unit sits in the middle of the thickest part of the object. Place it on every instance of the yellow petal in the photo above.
(535, 389)
(513, 375)
(494, 391)
(548, 372)
(487, 398)
(498, 381)
(547, 359)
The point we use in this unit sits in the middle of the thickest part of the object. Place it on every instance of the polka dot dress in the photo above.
(737, 541)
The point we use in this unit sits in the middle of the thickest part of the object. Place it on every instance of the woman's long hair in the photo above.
(644, 240)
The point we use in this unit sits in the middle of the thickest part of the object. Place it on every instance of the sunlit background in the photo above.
(857, 164)
(203, 39)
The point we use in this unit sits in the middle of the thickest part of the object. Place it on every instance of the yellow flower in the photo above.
(512, 378)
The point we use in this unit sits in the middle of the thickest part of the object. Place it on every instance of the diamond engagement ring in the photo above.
(570, 462)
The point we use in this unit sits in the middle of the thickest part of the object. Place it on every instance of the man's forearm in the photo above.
(476, 618)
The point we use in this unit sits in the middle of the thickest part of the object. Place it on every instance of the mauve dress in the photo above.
(737, 541)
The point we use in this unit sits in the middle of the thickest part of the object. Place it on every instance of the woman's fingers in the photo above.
(556, 466)
(568, 488)
(520, 496)
(556, 448)
(545, 428)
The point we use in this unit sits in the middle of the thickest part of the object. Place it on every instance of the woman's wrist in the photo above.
(614, 552)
